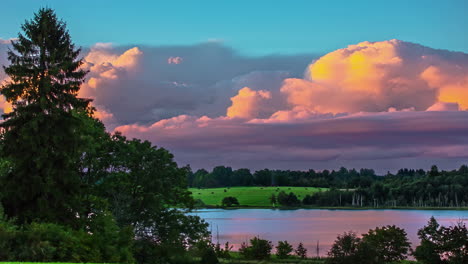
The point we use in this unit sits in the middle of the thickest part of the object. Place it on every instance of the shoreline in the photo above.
(334, 208)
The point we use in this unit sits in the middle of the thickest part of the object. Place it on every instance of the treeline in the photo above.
(222, 176)
(408, 187)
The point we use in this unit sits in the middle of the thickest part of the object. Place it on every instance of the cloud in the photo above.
(174, 60)
(4, 44)
(249, 104)
(142, 84)
(383, 105)
(442, 106)
(372, 138)
(376, 76)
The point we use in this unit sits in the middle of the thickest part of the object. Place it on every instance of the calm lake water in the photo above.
(311, 225)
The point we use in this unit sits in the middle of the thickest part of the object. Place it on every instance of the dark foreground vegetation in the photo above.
(71, 192)
(350, 188)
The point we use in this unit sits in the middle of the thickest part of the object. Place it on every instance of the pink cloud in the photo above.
(174, 60)
(250, 104)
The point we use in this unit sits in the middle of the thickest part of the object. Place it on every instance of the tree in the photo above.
(441, 244)
(344, 249)
(273, 199)
(42, 135)
(430, 249)
(263, 177)
(301, 251)
(283, 249)
(259, 249)
(147, 191)
(288, 199)
(230, 201)
(389, 243)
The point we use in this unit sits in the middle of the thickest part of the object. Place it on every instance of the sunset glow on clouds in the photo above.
(383, 105)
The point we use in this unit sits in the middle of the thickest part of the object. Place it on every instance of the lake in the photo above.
(310, 226)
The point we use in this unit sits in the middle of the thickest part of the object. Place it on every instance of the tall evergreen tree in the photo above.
(43, 132)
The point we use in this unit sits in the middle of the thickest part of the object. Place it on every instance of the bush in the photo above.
(283, 249)
(259, 249)
(47, 242)
(288, 199)
(230, 201)
(301, 251)
(209, 257)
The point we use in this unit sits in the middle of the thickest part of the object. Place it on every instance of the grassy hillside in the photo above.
(248, 196)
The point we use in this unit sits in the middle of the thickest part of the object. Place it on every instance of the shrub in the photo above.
(259, 249)
(288, 199)
(229, 201)
(209, 257)
(301, 251)
(283, 249)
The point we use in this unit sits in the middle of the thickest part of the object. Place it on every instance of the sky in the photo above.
(279, 85)
(254, 27)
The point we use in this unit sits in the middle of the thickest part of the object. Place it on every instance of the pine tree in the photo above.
(42, 134)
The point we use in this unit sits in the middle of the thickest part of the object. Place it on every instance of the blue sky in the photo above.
(254, 27)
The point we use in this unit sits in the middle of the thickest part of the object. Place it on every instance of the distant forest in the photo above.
(350, 187)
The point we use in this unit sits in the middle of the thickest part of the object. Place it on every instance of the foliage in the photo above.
(259, 249)
(288, 199)
(283, 249)
(389, 243)
(441, 244)
(363, 188)
(381, 245)
(72, 191)
(42, 136)
(344, 249)
(209, 257)
(301, 251)
(47, 242)
(223, 252)
(229, 201)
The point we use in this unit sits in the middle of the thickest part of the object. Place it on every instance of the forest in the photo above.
(350, 187)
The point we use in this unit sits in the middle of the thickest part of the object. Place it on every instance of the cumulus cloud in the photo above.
(384, 105)
(376, 76)
(142, 84)
(249, 104)
(391, 103)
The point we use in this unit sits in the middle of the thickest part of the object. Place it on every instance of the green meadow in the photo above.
(249, 196)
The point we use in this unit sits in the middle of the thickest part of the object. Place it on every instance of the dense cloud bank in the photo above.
(383, 105)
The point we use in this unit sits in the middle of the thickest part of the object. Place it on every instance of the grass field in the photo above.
(249, 196)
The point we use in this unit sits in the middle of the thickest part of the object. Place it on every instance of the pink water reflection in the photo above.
(310, 226)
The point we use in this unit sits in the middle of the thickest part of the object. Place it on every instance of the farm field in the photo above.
(249, 196)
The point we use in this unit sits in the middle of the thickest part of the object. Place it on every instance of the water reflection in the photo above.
(309, 226)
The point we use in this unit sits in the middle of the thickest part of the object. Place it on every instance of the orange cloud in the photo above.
(451, 80)
(443, 106)
(249, 104)
(376, 76)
